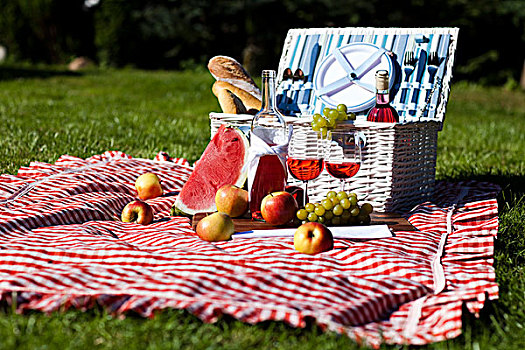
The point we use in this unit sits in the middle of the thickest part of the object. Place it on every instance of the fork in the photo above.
(410, 64)
(432, 67)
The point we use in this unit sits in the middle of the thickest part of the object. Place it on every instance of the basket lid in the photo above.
(420, 86)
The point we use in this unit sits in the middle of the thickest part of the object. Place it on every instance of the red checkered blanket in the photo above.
(61, 246)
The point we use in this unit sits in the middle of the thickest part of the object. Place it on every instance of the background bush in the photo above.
(175, 34)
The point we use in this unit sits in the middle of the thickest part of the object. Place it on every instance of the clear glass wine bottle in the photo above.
(269, 125)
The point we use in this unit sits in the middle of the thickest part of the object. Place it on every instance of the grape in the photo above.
(304, 222)
(331, 123)
(351, 116)
(302, 214)
(345, 203)
(362, 218)
(331, 116)
(353, 220)
(338, 210)
(341, 195)
(363, 212)
(320, 210)
(312, 217)
(331, 194)
(309, 207)
(327, 204)
(367, 208)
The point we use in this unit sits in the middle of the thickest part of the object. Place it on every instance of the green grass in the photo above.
(49, 112)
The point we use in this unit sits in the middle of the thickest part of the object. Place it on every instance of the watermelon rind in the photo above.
(177, 212)
(180, 208)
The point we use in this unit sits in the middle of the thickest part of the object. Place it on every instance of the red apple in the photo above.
(231, 200)
(278, 208)
(313, 238)
(148, 186)
(138, 212)
(215, 227)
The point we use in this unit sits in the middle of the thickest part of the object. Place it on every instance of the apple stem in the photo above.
(310, 235)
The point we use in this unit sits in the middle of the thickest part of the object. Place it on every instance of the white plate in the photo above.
(355, 97)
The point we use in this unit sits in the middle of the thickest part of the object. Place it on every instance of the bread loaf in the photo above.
(227, 69)
(230, 103)
(248, 100)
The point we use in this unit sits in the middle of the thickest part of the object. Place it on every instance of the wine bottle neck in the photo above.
(269, 123)
(382, 97)
(268, 94)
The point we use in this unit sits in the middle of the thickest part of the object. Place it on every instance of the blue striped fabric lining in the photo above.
(399, 44)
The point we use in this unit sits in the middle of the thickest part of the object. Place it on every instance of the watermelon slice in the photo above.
(220, 164)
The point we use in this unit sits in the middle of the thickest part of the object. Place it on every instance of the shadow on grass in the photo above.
(512, 186)
(12, 73)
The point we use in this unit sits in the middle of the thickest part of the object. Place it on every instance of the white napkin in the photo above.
(259, 148)
(340, 232)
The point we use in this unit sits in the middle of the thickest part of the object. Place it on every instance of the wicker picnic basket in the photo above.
(399, 160)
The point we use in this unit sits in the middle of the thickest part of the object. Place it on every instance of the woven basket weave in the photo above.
(398, 167)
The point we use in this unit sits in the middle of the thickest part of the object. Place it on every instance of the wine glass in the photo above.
(305, 163)
(343, 155)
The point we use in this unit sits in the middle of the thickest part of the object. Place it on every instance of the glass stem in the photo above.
(342, 185)
(305, 192)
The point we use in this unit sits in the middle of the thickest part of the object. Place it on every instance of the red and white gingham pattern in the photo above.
(61, 245)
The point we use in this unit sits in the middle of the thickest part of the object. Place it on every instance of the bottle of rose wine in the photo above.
(382, 111)
(269, 126)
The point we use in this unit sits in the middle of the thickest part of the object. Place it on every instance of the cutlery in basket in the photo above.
(409, 65)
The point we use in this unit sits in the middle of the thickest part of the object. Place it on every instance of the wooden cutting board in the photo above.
(395, 221)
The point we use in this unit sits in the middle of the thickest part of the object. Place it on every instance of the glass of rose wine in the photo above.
(305, 163)
(343, 155)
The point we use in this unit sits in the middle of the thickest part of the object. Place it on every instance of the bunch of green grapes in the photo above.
(329, 118)
(336, 209)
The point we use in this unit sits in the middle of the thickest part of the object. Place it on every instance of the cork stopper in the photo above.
(382, 80)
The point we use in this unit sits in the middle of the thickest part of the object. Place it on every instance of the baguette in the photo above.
(230, 103)
(227, 69)
(248, 100)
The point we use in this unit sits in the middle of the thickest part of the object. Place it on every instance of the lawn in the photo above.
(46, 112)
